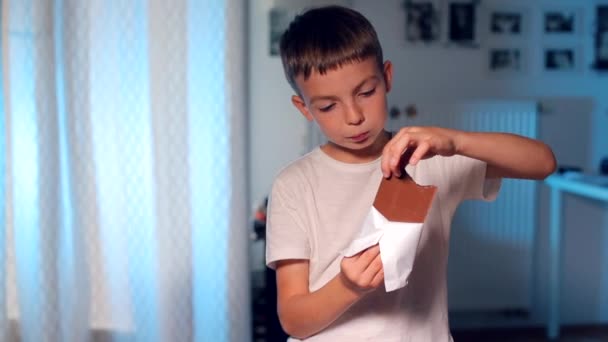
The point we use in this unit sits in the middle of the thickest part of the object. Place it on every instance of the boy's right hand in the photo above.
(363, 272)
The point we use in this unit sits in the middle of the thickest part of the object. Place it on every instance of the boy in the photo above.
(333, 61)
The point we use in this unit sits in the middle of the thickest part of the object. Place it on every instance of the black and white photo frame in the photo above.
(506, 28)
(507, 61)
(504, 23)
(278, 19)
(601, 39)
(422, 22)
(561, 59)
(451, 22)
(562, 21)
(463, 23)
(508, 22)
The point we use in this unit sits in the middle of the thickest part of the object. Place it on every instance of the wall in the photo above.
(574, 122)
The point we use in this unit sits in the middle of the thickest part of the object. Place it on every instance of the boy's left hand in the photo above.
(412, 144)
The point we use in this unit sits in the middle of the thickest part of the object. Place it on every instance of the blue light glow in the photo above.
(25, 176)
(209, 158)
(3, 223)
(120, 114)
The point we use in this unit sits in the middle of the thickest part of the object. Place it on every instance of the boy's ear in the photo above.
(301, 105)
(388, 75)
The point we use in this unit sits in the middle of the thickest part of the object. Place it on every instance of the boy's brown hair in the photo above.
(326, 38)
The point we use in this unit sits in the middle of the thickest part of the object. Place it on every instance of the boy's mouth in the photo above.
(359, 137)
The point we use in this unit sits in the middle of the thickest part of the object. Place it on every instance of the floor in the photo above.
(568, 334)
(267, 329)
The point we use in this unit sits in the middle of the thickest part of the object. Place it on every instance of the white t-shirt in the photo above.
(316, 208)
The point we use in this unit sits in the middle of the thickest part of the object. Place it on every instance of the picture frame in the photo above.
(278, 19)
(560, 59)
(507, 61)
(562, 21)
(506, 24)
(422, 22)
(463, 23)
(600, 45)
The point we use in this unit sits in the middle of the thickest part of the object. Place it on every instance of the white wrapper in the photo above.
(398, 243)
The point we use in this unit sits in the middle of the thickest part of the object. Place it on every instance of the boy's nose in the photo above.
(354, 116)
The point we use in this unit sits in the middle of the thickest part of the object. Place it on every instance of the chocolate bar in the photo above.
(400, 199)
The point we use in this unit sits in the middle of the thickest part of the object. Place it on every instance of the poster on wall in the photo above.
(506, 61)
(561, 59)
(279, 19)
(421, 22)
(463, 23)
(601, 39)
(562, 21)
(506, 23)
(502, 23)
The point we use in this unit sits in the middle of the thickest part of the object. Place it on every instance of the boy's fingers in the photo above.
(384, 166)
(385, 163)
(419, 153)
(370, 271)
(368, 255)
(353, 257)
(405, 159)
(376, 264)
(378, 278)
(372, 251)
(396, 151)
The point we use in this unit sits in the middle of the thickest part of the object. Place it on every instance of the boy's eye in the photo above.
(369, 92)
(327, 108)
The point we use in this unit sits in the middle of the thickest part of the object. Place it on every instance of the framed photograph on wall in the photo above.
(601, 39)
(509, 23)
(279, 19)
(562, 21)
(560, 59)
(504, 23)
(422, 23)
(463, 23)
(506, 61)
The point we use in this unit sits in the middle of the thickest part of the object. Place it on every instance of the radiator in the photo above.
(491, 249)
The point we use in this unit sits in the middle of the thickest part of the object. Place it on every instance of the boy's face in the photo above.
(349, 105)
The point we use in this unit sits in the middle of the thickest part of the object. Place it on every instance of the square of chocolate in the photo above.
(400, 199)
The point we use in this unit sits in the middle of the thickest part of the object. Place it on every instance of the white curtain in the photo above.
(123, 182)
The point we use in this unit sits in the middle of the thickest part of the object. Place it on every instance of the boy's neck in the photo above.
(365, 155)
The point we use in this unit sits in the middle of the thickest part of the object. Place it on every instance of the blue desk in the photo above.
(593, 187)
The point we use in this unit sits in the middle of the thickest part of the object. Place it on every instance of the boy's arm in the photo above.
(303, 313)
(507, 155)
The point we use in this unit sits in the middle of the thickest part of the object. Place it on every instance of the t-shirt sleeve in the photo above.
(471, 175)
(286, 229)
